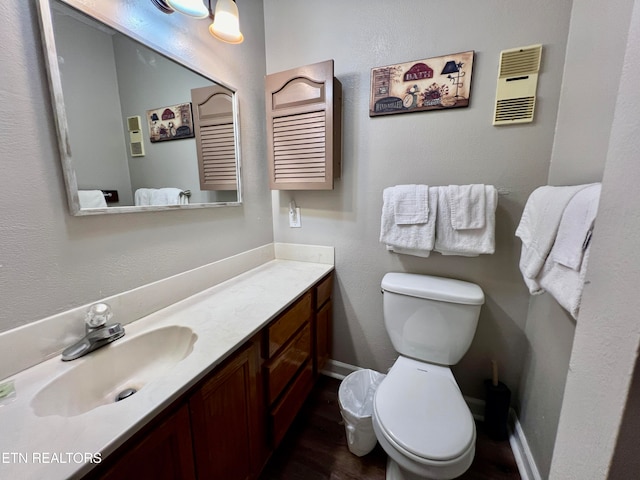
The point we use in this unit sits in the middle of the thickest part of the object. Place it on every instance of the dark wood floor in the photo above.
(316, 448)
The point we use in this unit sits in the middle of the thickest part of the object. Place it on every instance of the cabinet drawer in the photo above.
(323, 291)
(281, 330)
(281, 370)
(284, 413)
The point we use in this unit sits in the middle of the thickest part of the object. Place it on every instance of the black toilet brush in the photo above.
(496, 413)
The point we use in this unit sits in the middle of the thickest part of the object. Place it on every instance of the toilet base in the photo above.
(394, 472)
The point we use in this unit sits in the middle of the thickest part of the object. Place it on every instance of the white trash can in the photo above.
(355, 397)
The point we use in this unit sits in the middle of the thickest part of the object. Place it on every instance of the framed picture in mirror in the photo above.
(170, 123)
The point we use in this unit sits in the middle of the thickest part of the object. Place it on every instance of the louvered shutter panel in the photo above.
(304, 123)
(215, 138)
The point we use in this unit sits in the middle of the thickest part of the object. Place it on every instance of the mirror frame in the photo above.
(62, 126)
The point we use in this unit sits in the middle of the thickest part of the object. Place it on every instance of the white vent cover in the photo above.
(136, 143)
(517, 85)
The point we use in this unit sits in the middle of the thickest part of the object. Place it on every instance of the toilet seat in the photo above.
(420, 410)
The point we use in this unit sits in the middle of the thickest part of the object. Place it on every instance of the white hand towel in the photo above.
(470, 242)
(143, 196)
(467, 204)
(575, 227)
(564, 284)
(410, 204)
(91, 199)
(539, 226)
(166, 196)
(414, 239)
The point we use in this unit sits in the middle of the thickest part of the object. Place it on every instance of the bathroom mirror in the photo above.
(132, 137)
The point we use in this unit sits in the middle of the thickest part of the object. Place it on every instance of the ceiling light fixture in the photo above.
(226, 22)
(162, 6)
(193, 8)
(226, 19)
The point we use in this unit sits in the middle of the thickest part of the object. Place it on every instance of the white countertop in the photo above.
(223, 317)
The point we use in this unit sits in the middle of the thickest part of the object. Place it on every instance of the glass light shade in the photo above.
(193, 8)
(226, 22)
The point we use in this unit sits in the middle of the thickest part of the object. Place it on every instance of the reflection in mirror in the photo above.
(138, 131)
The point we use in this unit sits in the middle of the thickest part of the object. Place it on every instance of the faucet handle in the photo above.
(98, 315)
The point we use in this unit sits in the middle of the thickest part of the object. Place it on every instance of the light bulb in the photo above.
(226, 22)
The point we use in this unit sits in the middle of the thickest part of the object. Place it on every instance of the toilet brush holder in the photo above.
(496, 413)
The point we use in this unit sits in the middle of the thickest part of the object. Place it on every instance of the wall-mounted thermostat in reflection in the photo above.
(136, 142)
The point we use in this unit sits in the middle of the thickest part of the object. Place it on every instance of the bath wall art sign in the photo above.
(170, 123)
(431, 84)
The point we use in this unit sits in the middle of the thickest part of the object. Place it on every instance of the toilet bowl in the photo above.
(423, 423)
(419, 415)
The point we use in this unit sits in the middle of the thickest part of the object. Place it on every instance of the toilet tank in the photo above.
(431, 318)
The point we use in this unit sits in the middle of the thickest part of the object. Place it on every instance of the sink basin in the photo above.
(99, 377)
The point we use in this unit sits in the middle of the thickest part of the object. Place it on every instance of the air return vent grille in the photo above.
(517, 85)
(299, 147)
(136, 142)
(514, 109)
(520, 61)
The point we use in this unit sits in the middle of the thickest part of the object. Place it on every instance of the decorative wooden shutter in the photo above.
(215, 137)
(304, 121)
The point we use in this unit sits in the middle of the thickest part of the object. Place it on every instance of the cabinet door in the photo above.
(304, 123)
(225, 416)
(164, 454)
(323, 334)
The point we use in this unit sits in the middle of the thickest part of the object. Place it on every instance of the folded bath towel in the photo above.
(574, 232)
(565, 283)
(142, 196)
(538, 229)
(470, 242)
(467, 205)
(410, 204)
(412, 239)
(91, 199)
(166, 196)
(160, 196)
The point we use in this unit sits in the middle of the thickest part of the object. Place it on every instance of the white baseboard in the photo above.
(338, 370)
(521, 451)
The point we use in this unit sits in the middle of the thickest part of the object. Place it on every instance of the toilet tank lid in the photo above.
(433, 288)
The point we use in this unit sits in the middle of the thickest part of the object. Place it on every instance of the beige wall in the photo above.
(436, 148)
(51, 262)
(596, 437)
(595, 53)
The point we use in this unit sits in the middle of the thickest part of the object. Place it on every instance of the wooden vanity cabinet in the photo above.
(288, 365)
(226, 420)
(164, 453)
(296, 346)
(323, 314)
(227, 425)
(216, 433)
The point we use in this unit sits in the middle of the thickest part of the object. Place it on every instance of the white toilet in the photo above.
(419, 415)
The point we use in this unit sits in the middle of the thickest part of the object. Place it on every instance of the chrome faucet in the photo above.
(98, 333)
